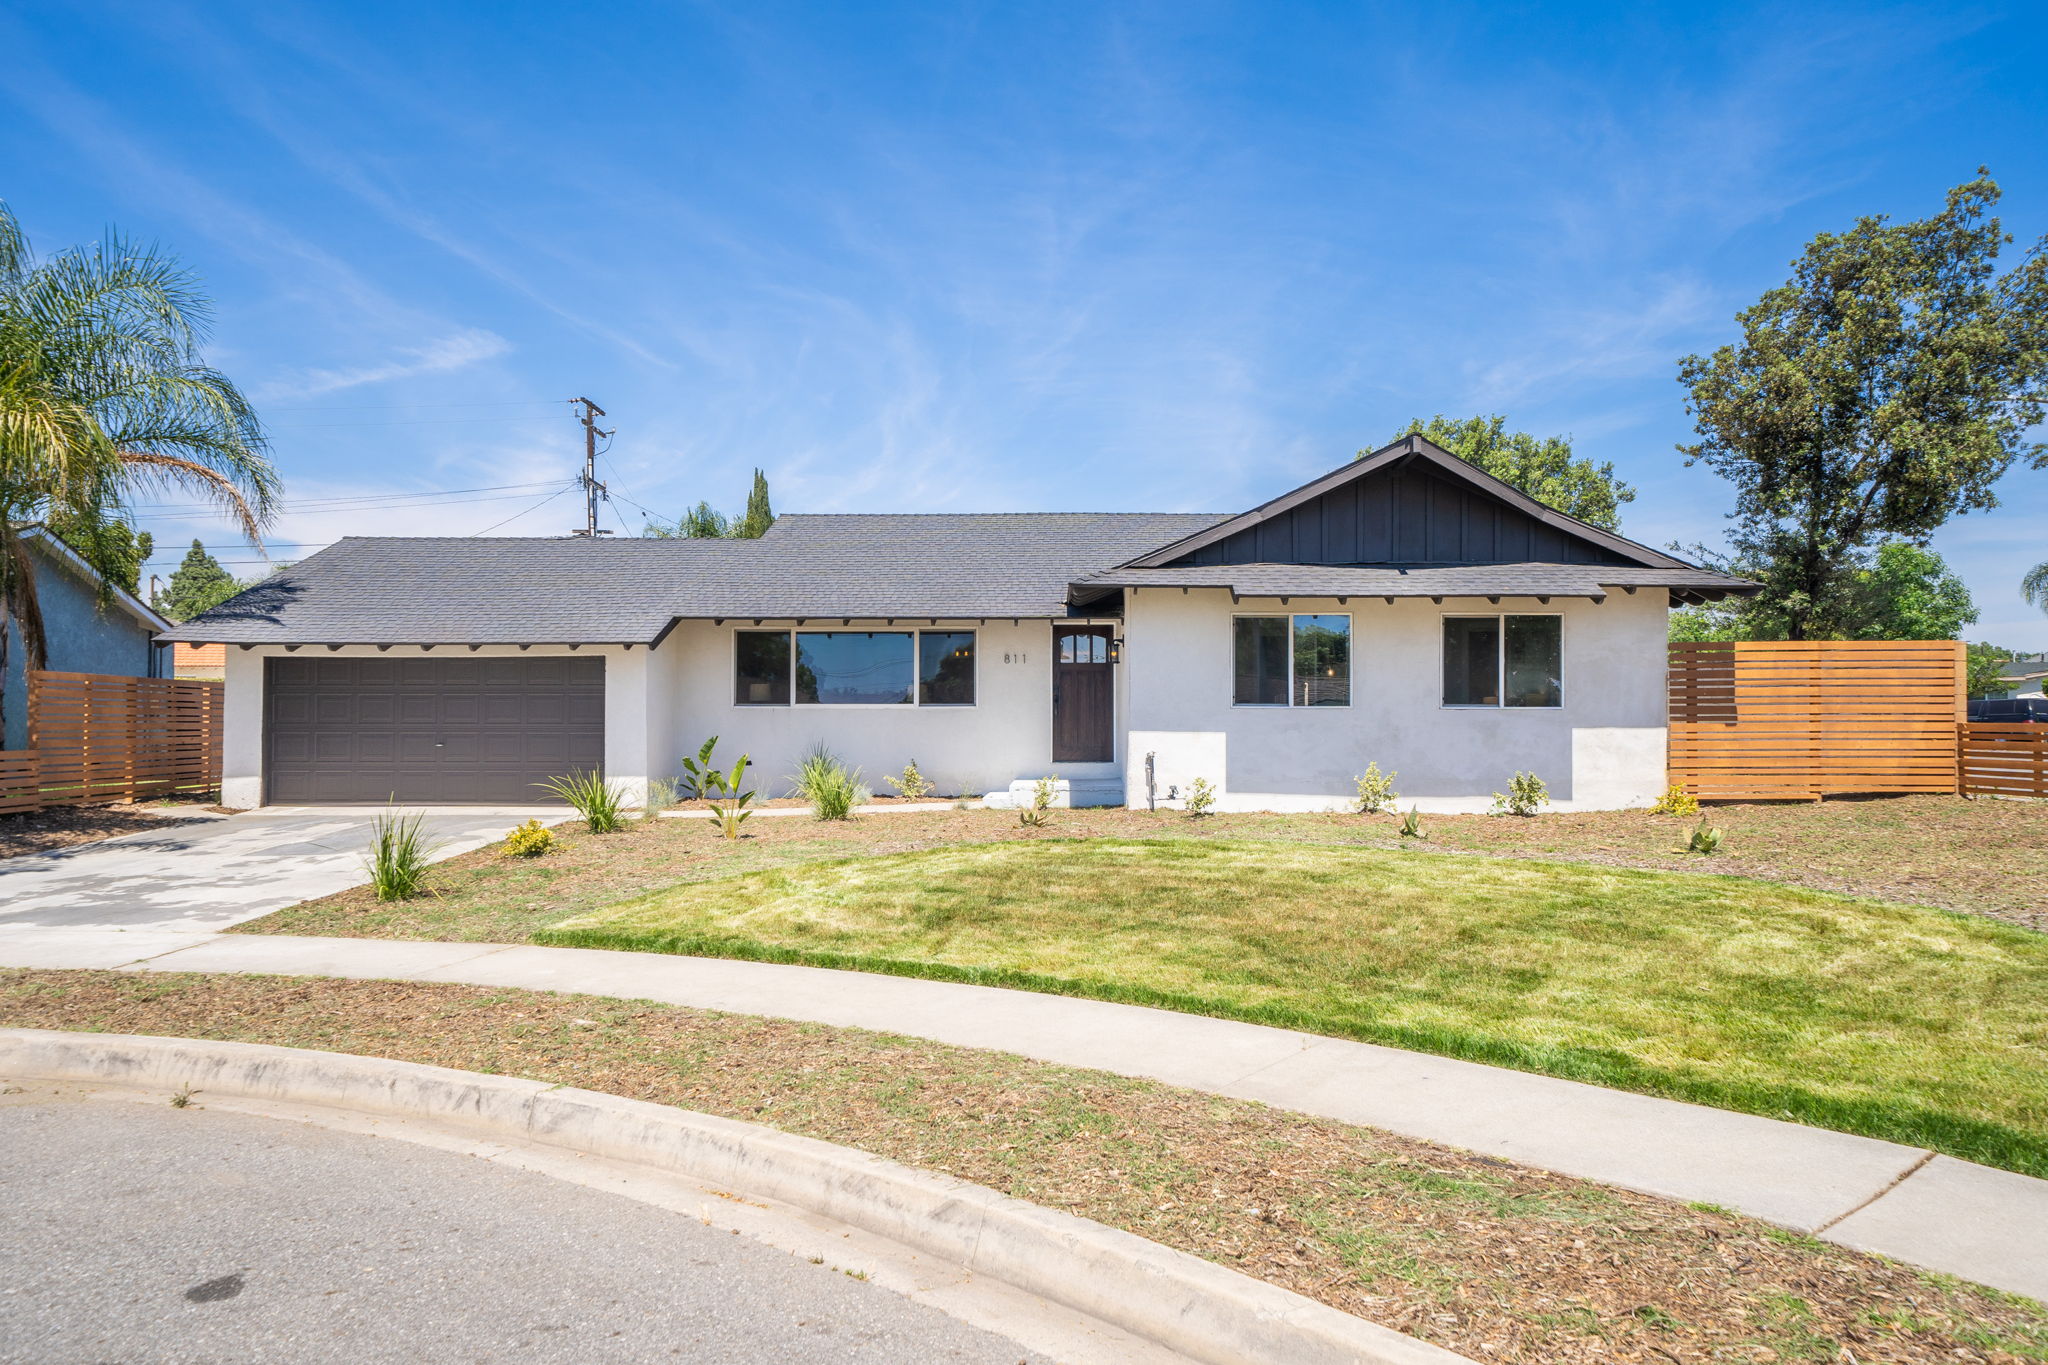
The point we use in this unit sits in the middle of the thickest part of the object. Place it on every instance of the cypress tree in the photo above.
(759, 516)
(198, 584)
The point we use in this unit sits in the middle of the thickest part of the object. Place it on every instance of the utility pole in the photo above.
(591, 487)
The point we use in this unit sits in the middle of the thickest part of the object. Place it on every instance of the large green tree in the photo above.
(1902, 592)
(1541, 466)
(103, 395)
(198, 584)
(1880, 391)
(116, 550)
(1984, 663)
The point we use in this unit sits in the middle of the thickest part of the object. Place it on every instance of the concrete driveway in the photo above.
(200, 877)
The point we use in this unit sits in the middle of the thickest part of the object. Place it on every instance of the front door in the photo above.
(1083, 695)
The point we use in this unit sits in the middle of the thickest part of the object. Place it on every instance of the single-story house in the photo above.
(2024, 677)
(1407, 609)
(89, 626)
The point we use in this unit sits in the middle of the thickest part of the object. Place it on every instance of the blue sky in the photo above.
(965, 257)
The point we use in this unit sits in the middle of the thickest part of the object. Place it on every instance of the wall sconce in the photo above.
(1116, 649)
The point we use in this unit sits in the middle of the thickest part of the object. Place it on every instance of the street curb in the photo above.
(1182, 1302)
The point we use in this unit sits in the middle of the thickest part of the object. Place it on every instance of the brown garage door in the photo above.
(428, 731)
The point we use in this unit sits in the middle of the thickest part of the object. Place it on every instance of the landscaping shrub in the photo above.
(662, 793)
(832, 788)
(1039, 812)
(1704, 840)
(911, 784)
(601, 804)
(530, 840)
(728, 802)
(1411, 824)
(1676, 801)
(399, 850)
(1525, 795)
(1201, 797)
(1375, 790)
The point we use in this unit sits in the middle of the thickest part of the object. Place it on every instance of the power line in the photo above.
(394, 407)
(344, 502)
(517, 515)
(407, 422)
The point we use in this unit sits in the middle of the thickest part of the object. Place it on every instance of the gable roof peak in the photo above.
(1412, 447)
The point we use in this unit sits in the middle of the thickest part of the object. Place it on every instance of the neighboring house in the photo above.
(2023, 676)
(1406, 609)
(199, 661)
(89, 626)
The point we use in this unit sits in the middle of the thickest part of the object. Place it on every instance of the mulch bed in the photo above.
(1979, 857)
(65, 826)
(1494, 1260)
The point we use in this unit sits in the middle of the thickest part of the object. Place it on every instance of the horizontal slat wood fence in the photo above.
(1803, 719)
(2002, 759)
(96, 738)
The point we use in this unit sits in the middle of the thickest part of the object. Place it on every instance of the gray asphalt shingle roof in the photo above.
(518, 590)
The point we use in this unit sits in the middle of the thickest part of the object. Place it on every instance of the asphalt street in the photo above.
(151, 1233)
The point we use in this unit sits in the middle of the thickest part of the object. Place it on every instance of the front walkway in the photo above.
(1933, 1211)
(211, 874)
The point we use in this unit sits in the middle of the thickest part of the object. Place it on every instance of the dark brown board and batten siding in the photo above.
(1404, 515)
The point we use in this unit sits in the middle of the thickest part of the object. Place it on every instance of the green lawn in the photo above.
(1916, 1025)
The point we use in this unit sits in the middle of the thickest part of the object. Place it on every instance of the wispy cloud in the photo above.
(453, 352)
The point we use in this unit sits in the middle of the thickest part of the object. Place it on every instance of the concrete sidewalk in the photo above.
(209, 874)
(1933, 1211)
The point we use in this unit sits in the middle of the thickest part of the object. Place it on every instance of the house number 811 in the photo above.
(1018, 658)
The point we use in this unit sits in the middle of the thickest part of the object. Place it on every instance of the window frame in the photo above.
(916, 702)
(1290, 617)
(1500, 660)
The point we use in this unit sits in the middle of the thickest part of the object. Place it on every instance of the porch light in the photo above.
(1116, 649)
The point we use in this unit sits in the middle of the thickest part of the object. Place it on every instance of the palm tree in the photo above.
(103, 396)
(2034, 587)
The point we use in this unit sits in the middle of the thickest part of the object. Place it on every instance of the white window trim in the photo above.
(1500, 660)
(916, 703)
(1350, 683)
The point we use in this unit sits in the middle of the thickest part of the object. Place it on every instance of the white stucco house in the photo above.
(1406, 609)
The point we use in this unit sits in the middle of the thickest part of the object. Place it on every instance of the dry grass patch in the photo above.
(1491, 1259)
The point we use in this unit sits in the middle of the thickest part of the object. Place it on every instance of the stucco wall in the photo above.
(1603, 748)
(80, 638)
(1005, 735)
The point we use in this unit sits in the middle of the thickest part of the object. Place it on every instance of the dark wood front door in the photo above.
(1083, 695)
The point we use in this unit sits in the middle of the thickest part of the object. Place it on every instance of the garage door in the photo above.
(428, 731)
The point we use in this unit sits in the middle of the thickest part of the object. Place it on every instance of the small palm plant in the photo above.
(697, 770)
(601, 804)
(397, 861)
(728, 803)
